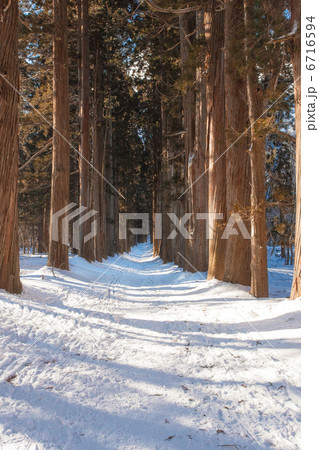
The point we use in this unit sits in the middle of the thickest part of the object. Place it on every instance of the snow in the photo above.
(292, 32)
(147, 357)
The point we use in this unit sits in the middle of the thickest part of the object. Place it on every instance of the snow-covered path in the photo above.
(148, 357)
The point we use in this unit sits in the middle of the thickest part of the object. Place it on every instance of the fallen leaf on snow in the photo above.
(170, 437)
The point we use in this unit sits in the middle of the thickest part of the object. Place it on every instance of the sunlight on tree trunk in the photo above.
(58, 251)
(216, 139)
(296, 63)
(9, 151)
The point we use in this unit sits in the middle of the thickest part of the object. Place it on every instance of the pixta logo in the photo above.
(234, 226)
(76, 225)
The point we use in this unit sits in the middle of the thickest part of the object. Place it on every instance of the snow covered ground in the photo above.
(147, 357)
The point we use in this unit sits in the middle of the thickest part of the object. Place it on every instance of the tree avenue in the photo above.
(157, 107)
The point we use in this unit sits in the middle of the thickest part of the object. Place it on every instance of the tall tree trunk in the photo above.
(166, 188)
(216, 137)
(237, 158)
(168, 247)
(156, 210)
(117, 243)
(9, 149)
(256, 106)
(195, 111)
(86, 250)
(187, 24)
(46, 224)
(98, 150)
(296, 63)
(41, 248)
(200, 188)
(156, 157)
(111, 198)
(58, 252)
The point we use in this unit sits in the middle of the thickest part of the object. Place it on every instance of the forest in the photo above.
(150, 223)
(158, 107)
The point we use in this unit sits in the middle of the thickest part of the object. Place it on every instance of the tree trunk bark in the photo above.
(259, 272)
(187, 25)
(87, 249)
(98, 152)
(200, 188)
(9, 149)
(58, 252)
(41, 248)
(195, 110)
(296, 63)
(216, 138)
(111, 198)
(256, 106)
(156, 156)
(237, 158)
(166, 189)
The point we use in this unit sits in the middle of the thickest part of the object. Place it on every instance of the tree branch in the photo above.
(39, 152)
(171, 10)
(291, 35)
(184, 38)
